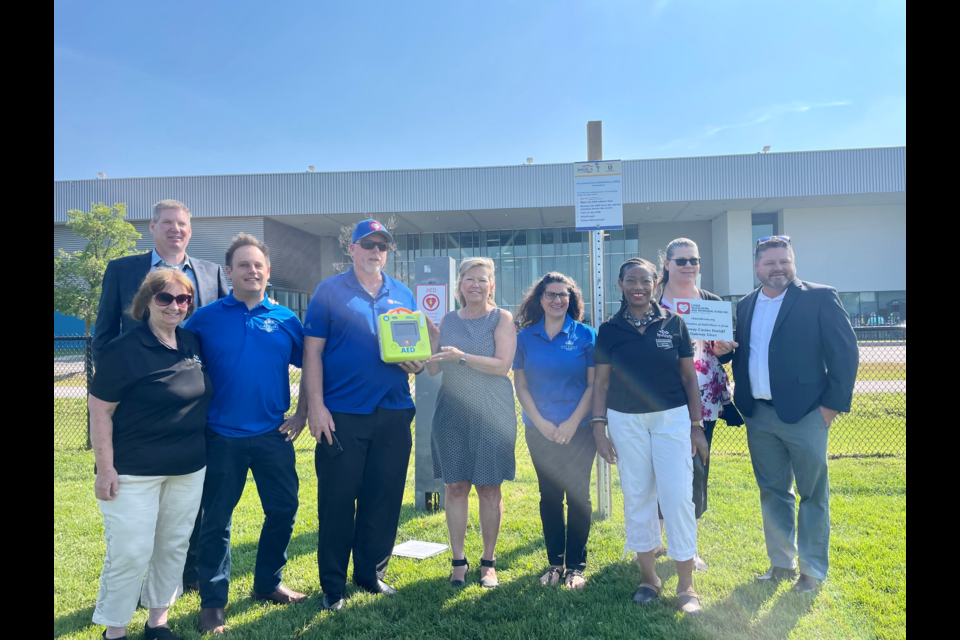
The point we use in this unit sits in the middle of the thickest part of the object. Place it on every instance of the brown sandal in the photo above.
(689, 602)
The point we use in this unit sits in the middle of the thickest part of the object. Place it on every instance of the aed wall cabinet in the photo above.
(403, 337)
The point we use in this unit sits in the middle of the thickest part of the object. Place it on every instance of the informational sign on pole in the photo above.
(432, 301)
(598, 195)
(706, 319)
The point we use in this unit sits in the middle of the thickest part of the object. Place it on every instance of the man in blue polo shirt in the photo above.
(248, 344)
(360, 413)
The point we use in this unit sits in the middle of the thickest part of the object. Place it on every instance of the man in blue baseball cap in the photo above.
(360, 411)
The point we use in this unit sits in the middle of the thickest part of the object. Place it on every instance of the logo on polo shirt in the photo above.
(197, 360)
(663, 333)
(269, 325)
(569, 345)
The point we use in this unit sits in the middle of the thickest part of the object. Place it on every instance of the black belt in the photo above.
(769, 403)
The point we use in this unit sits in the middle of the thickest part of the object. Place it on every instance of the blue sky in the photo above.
(194, 88)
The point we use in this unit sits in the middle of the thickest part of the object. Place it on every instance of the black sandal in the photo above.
(489, 583)
(551, 572)
(462, 562)
(573, 573)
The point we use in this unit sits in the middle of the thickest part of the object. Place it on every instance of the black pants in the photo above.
(564, 470)
(700, 478)
(274, 465)
(360, 495)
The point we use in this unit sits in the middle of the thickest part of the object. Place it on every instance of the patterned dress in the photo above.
(475, 425)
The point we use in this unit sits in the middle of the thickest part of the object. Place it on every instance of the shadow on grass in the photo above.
(740, 610)
(72, 622)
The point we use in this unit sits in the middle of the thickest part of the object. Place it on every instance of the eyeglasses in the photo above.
(769, 238)
(682, 262)
(552, 295)
(370, 244)
(164, 299)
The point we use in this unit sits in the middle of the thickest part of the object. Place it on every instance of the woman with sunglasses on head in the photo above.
(645, 391)
(553, 376)
(148, 409)
(679, 270)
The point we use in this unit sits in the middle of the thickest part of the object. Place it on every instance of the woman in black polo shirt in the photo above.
(148, 409)
(646, 391)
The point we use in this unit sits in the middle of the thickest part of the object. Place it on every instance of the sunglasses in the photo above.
(370, 244)
(551, 295)
(164, 299)
(682, 262)
(769, 238)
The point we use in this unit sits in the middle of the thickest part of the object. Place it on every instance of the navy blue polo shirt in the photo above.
(556, 370)
(355, 379)
(248, 353)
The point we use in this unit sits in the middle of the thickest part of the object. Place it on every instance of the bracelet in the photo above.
(696, 423)
(601, 419)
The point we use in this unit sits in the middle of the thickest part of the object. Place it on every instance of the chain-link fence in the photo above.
(876, 425)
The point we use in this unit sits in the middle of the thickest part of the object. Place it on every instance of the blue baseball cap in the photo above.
(367, 227)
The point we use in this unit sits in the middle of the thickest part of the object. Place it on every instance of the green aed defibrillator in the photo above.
(403, 336)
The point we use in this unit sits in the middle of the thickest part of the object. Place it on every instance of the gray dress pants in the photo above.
(782, 453)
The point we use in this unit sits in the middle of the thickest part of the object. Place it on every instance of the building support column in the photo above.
(733, 253)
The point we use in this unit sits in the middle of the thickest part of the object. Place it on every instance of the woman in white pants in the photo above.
(646, 392)
(148, 409)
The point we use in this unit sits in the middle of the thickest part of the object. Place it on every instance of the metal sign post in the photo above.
(594, 153)
(434, 278)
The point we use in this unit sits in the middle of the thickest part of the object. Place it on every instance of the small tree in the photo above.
(78, 276)
(346, 234)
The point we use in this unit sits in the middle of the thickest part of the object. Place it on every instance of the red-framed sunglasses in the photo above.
(164, 299)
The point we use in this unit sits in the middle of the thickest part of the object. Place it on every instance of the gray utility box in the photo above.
(436, 279)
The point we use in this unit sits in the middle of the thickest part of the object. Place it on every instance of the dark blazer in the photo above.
(122, 280)
(813, 353)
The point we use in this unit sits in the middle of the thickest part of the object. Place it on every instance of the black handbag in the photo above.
(731, 415)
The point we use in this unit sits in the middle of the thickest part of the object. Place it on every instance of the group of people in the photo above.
(191, 389)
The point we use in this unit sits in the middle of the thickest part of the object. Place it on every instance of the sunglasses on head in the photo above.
(552, 295)
(370, 244)
(164, 299)
(769, 238)
(682, 262)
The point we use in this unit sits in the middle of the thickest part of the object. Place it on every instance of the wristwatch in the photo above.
(696, 423)
(463, 359)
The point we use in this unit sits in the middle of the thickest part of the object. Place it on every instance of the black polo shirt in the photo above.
(645, 367)
(158, 427)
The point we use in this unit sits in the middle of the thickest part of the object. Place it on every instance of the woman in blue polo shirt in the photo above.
(553, 376)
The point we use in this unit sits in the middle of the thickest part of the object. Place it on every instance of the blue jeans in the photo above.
(273, 462)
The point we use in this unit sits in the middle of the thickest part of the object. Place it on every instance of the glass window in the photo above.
(439, 244)
(617, 241)
(453, 245)
(426, 245)
(506, 244)
(533, 242)
(892, 306)
(493, 244)
(851, 304)
(547, 242)
(520, 243)
(507, 280)
(632, 240)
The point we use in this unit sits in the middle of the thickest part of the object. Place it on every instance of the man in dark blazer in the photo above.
(171, 232)
(795, 365)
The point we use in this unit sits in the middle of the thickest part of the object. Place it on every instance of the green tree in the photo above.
(78, 276)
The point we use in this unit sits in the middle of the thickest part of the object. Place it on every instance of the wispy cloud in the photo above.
(659, 6)
(753, 118)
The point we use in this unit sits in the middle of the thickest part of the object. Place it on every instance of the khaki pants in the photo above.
(147, 529)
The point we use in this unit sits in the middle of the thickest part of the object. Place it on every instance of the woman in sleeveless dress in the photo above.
(475, 424)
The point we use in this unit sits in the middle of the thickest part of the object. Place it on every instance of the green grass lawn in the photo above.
(882, 371)
(864, 597)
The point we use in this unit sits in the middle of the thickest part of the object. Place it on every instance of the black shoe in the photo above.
(806, 584)
(104, 635)
(776, 574)
(158, 633)
(376, 587)
(462, 562)
(332, 602)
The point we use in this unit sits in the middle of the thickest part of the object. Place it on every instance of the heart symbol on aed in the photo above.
(683, 307)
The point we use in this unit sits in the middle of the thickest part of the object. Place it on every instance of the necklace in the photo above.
(163, 342)
(647, 318)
